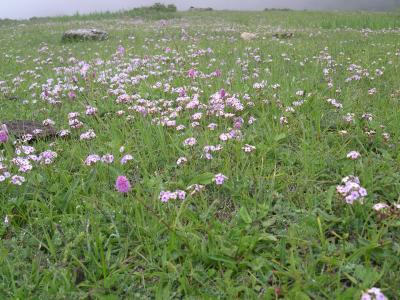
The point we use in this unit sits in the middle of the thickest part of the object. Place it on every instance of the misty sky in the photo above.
(19, 9)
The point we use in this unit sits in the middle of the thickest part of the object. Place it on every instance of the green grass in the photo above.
(276, 228)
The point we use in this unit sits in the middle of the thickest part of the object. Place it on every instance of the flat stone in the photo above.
(284, 35)
(22, 128)
(247, 36)
(84, 34)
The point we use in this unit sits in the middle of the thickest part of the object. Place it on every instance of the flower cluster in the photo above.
(373, 294)
(353, 155)
(165, 196)
(207, 150)
(122, 184)
(88, 135)
(351, 190)
(189, 142)
(248, 148)
(335, 103)
(73, 120)
(3, 134)
(219, 179)
(107, 158)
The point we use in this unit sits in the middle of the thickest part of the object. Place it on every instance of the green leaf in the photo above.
(244, 214)
(279, 137)
(267, 237)
(205, 178)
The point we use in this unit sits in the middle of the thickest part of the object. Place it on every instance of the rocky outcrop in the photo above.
(84, 34)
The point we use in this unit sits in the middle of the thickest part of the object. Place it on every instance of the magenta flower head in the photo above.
(353, 155)
(121, 50)
(71, 95)
(3, 134)
(122, 184)
(222, 93)
(219, 179)
(192, 73)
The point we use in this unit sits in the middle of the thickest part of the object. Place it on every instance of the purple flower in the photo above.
(181, 160)
(181, 194)
(3, 134)
(165, 196)
(351, 190)
(121, 50)
(47, 157)
(92, 159)
(71, 95)
(126, 158)
(353, 155)
(380, 206)
(373, 294)
(17, 180)
(122, 184)
(107, 158)
(220, 179)
(192, 73)
(190, 142)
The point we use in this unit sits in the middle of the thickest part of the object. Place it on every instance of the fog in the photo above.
(20, 9)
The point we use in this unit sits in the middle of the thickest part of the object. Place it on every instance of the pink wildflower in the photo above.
(220, 179)
(107, 158)
(181, 160)
(17, 180)
(373, 294)
(3, 134)
(380, 206)
(192, 73)
(92, 159)
(71, 95)
(126, 158)
(190, 142)
(165, 196)
(122, 184)
(353, 155)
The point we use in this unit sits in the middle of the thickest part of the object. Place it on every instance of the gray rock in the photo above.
(84, 34)
(23, 128)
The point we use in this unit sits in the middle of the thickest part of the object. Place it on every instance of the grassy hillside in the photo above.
(236, 152)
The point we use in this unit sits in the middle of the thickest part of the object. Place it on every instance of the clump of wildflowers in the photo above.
(380, 206)
(351, 190)
(248, 148)
(219, 179)
(335, 103)
(92, 159)
(181, 160)
(107, 158)
(165, 196)
(90, 110)
(373, 294)
(126, 158)
(189, 142)
(122, 184)
(353, 155)
(88, 135)
(195, 188)
(17, 180)
(48, 122)
(47, 157)
(3, 134)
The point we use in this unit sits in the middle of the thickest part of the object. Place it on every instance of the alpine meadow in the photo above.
(200, 155)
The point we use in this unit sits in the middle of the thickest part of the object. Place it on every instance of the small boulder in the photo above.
(84, 34)
(284, 35)
(33, 129)
(247, 36)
